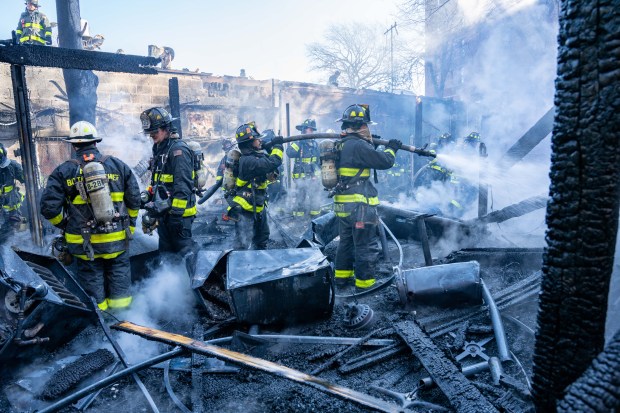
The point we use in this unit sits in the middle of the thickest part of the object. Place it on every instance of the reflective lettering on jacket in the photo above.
(61, 199)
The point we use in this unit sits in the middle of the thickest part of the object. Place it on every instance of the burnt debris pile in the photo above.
(456, 335)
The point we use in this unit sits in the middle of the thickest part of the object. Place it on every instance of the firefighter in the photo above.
(472, 141)
(306, 170)
(34, 27)
(95, 199)
(457, 191)
(355, 200)
(396, 177)
(170, 200)
(248, 203)
(227, 145)
(11, 197)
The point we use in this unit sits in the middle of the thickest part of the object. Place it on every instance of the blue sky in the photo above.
(266, 37)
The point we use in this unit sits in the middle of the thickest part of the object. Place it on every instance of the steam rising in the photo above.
(160, 301)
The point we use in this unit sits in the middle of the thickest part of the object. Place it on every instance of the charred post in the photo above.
(175, 105)
(28, 153)
(582, 213)
(81, 84)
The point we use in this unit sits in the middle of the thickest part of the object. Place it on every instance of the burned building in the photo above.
(227, 343)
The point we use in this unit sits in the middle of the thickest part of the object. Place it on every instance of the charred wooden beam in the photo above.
(27, 55)
(528, 141)
(513, 211)
(28, 152)
(463, 395)
(258, 364)
(175, 105)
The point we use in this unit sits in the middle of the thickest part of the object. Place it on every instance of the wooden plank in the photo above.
(258, 364)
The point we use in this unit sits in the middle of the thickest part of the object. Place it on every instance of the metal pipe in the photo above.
(483, 187)
(495, 366)
(383, 239)
(88, 400)
(496, 321)
(288, 133)
(178, 403)
(28, 153)
(121, 355)
(468, 371)
(400, 248)
(317, 340)
(111, 379)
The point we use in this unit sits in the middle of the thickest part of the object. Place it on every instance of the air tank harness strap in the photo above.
(88, 247)
(342, 186)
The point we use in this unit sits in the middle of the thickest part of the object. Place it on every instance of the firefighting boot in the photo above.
(344, 278)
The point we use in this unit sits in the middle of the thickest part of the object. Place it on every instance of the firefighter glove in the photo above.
(394, 144)
(277, 140)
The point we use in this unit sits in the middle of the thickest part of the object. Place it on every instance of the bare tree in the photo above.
(358, 51)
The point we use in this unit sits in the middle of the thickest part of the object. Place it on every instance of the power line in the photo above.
(391, 30)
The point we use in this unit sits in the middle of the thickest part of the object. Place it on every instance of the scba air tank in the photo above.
(329, 155)
(96, 183)
(232, 163)
(200, 179)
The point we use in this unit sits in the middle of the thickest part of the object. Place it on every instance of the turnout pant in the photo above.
(358, 250)
(250, 232)
(176, 238)
(107, 280)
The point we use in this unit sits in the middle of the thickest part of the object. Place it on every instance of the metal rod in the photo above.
(400, 248)
(483, 186)
(258, 364)
(178, 403)
(498, 326)
(28, 152)
(319, 340)
(121, 355)
(111, 379)
(288, 133)
(384, 244)
(428, 382)
(87, 401)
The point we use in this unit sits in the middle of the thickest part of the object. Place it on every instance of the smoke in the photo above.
(508, 85)
(163, 301)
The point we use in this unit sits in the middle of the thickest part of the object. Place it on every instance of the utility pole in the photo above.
(391, 31)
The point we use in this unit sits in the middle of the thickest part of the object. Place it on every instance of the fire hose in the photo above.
(376, 141)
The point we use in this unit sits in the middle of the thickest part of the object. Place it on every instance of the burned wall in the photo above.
(211, 108)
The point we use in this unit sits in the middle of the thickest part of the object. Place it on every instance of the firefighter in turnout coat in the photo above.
(171, 203)
(10, 171)
(95, 199)
(34, 27)
(248, 203)
(306, 171)
(355, 200)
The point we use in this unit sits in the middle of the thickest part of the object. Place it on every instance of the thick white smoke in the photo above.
(164, 299)
(507, 85)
